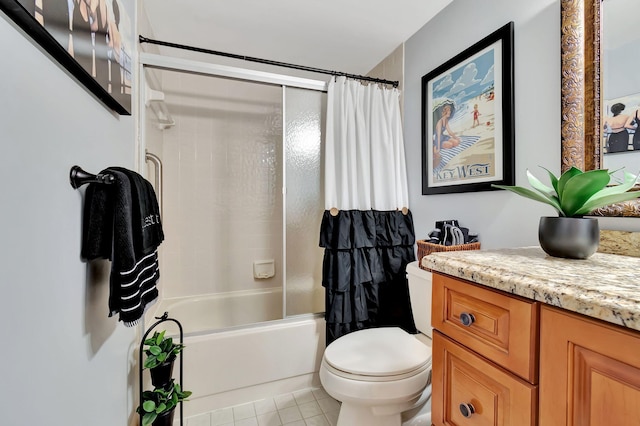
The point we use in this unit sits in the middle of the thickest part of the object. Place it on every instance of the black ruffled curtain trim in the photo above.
(364, 270)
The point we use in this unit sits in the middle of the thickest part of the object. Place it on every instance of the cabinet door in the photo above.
(589, 371)
(468, 390)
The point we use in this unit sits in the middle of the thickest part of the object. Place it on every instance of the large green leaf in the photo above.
(628, 183)
(155, 350)
(629, 179)
(151, 361)
(527, 193)
(564, 178)
(149, 406)
(540, 187)
(160, 337)
(553, 179)
(605, 201)
(181, 395)
(148, 418)
(167, 344)
(579, 188)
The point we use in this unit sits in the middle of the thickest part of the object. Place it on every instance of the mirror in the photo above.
(582, 40)
(620, 85)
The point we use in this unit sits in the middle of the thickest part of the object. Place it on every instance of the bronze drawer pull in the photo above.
(467, 319)
(467, 410)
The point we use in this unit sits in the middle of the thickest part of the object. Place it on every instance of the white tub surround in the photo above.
(232, 367)
(604, 287)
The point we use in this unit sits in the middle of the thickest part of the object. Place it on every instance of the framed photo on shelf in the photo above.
(468, 132)
(92, 40)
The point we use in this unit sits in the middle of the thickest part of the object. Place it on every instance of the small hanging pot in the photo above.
(165, 419)
(569, 237)
(161, 374)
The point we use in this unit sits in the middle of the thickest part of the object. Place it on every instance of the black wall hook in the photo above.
(79, 177)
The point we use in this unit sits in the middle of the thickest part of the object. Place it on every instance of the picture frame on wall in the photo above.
(468, 133)
(92, 39)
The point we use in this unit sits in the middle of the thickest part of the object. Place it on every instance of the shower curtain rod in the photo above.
(267, 61)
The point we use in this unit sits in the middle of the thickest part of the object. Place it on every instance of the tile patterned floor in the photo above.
(307, 407)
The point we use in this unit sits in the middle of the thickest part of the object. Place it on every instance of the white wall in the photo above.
(64, 362)
(502, 219)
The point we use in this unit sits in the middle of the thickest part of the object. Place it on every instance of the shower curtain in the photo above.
(367, 230)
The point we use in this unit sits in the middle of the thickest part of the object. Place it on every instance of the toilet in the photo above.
(382, 376)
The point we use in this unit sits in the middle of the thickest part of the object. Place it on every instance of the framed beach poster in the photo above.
(467, 119)
(92, 39)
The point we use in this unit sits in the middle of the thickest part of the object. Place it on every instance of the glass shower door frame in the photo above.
(155, 61)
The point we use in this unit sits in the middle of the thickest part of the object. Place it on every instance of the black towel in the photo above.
(122, 223)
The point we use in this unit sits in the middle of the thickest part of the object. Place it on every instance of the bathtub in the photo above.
(202, 314)
(227, 364)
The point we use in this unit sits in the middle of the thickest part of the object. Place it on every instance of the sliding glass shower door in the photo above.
(304, 199)
(242, 194)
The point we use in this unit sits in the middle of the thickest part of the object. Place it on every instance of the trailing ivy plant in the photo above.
(160, 349)
(577, 193)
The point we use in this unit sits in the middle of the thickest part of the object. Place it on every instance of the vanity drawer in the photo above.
(476, 392)
(498, 326)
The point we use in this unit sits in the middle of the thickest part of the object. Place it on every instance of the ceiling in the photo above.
(351, 36)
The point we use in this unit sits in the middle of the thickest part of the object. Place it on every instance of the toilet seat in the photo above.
(369, 378)
(377, 355)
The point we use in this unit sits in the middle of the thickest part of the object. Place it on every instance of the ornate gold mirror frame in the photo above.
(581, 86)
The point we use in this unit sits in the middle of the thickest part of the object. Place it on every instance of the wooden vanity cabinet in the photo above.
(491, 347)
(589, 371)
(485, 347)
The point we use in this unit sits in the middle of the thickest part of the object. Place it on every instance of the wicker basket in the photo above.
(425, 248)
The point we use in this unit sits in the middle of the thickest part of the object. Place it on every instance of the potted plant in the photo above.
(158, 406)
(574, 194)
(161, 352)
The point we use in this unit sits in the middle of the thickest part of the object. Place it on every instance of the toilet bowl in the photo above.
(420, 415)
(382, 376)
(377, 374)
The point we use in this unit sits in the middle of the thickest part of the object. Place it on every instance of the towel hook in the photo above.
(79, 177)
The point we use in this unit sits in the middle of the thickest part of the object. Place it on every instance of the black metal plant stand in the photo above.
(163, 318)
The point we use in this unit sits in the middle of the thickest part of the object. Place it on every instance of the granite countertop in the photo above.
(604, 286)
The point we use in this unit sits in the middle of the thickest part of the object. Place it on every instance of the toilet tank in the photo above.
(420, 295)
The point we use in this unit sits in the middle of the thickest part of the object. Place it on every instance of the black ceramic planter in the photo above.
(165, 419)
(569, 237)
(162, 374)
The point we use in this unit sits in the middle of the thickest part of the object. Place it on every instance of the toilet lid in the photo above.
(378, 352)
